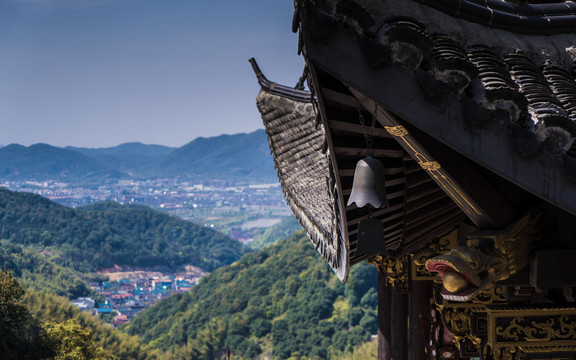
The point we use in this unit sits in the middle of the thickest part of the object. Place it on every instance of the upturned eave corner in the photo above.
(302, 158)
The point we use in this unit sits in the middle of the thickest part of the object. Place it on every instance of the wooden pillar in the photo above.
(384, 306)
(399, 326)
(419, 308)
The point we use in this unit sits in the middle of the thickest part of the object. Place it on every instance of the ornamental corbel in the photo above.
(395, 271)
(487, 258)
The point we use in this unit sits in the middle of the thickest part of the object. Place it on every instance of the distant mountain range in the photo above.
(42, 161)
(239, 157)
(126, 157)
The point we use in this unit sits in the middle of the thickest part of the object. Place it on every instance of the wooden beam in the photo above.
(356, 128)
(337, 96)
(476, 186)
(433, 225)
(361, 152)
(425, 212)
(353, 230)
(425, 201)
(416, 179)
(435, 216)
(418, 192)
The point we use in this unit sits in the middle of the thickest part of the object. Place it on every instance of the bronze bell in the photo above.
(368, 186)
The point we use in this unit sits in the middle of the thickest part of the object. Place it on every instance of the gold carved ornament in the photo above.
(395, 270)
(487, 258)
(551, 329)
(458, 321)
(533, 330)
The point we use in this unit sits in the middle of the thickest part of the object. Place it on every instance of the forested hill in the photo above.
(280, 302)
(105, 234)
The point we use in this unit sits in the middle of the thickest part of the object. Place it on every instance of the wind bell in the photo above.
(369, 188)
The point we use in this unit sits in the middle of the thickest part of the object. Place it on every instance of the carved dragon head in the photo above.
(488, 257)
(464, 271)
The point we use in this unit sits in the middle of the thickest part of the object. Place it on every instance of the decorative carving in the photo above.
(430, 165)
(566, 349)
(489, 327)
(397, 130)
(488, 257)
(532, 330)
(394, 269)
(468, 322)
(546, 330)
(438, 247)
(485, 325)
(514, 245)
(493, 295)
(457, 321)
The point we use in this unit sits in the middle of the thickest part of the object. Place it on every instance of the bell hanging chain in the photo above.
(368, 135)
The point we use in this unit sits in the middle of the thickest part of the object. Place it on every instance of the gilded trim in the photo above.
(397, 130)
(532, 329)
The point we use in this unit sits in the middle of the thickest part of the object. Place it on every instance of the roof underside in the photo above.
(419, 209)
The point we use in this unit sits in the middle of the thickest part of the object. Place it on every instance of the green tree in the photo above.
(19, 333)
(260, 327)
(69, 341)
(11, 311)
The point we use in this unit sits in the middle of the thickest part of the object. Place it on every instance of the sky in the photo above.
(99, 73)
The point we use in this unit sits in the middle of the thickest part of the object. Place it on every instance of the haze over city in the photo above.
(98, 73)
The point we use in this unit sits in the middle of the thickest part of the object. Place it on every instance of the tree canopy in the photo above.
(105, 234)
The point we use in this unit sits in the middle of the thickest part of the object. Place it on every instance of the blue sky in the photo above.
(98, 73)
